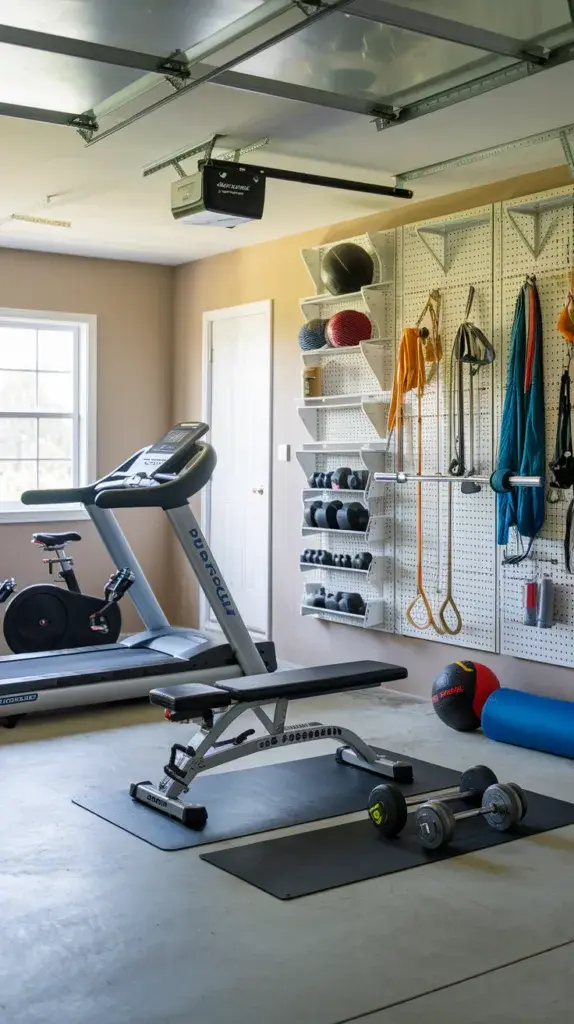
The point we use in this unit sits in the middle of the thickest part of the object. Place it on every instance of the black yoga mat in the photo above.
(326, 858)
(253, 800)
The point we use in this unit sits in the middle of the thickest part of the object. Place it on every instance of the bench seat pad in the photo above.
(190, 698)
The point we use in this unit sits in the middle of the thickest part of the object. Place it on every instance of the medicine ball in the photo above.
(312, 335)
(460, 692)
(346, 267)
(348, 327)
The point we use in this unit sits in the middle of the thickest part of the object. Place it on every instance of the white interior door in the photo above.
(237, 351)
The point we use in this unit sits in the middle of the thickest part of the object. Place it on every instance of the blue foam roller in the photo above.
(540, 723)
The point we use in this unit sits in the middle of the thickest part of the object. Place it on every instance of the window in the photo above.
(47, 408)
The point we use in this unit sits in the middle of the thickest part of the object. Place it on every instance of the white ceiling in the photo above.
(117, 213)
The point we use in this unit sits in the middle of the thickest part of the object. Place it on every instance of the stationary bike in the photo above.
(47, 617)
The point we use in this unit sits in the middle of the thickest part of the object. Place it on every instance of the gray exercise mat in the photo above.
(253, 800)
(311, 862)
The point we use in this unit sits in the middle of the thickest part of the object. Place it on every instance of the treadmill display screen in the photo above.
(184, 435)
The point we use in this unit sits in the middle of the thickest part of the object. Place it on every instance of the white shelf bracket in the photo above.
(527, 224)
(435, 242)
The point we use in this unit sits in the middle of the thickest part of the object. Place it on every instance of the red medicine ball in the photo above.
(348, 327)
(460, 692)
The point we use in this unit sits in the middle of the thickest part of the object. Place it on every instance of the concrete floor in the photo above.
(100, 928)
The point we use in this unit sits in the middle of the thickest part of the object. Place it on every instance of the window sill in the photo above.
(44, 514)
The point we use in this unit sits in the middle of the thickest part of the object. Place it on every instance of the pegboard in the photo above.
(448, 254)
(492, 248)
(359, 381)
(536, 235)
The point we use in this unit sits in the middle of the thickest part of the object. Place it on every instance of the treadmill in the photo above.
(162, 475)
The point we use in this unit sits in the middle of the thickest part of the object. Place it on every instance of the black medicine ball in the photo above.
(460, 692)
(347, 267)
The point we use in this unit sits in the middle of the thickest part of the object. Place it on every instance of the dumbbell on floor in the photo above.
(503, 806)
(388, 807)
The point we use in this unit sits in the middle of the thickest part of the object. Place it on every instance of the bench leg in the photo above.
(206, 750)
(359, 755)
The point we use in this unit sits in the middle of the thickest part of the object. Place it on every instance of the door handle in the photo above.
(258, 490)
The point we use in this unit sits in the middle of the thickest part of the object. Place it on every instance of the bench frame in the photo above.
(206, 750)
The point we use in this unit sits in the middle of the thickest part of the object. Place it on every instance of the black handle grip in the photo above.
(59, 496)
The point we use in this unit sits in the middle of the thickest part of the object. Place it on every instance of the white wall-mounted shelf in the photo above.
(374, 456)
(373, 352)
(356, 381)
(371, 492)
(380, 244)
(434, 235)
(372, 575)
(525, 219)
(313, 305)
(373, 299)
(372, 535)
(374, 407)
(373, 615)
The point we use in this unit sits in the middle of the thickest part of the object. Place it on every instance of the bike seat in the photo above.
(54, 540)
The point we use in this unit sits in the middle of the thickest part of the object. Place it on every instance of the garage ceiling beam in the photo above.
(303, 21)
(83, 122)
(427, 24)
(478, 155)
(175, 64)
(477, 87)
(301, 93)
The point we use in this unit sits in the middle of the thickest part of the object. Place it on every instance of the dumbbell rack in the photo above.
(347, 424)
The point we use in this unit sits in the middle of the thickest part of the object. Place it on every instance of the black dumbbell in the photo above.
(312, 480)
(362, 560)
(352, 604)
(357, 481)
(324, 558)
(332, 602)
(353, 516)
(326, 516)
(388, 806)
(346, 562)
(310, 512)
(318, 598)
(503, 806)
(328, 480)
(306, 556)
(339, 480)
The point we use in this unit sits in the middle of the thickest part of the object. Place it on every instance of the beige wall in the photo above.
(275, 270)
(133, 304)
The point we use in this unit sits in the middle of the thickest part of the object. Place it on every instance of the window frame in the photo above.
(84, 410)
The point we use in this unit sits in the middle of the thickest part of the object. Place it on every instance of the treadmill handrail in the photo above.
(74, 495)
(169, 494)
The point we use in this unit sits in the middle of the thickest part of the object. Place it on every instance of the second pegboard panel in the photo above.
(449, 255)
(535, 238)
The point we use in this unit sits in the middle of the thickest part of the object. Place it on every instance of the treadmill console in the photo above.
(171, 453)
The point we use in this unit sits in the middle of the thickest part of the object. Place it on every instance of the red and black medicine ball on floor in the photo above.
(460, 692)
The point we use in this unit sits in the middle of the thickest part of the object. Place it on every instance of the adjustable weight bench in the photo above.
(215, 707)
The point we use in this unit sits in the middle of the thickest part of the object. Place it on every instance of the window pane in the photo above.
(56, 392)
(55, 474)
(17, 348)
(17, 391)
(55, 439)
(56, 350)
(15, 477)
(18, 438)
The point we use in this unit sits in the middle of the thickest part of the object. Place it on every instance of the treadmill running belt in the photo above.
(91, 666)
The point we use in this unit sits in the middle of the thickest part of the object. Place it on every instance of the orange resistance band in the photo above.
(410, 374)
